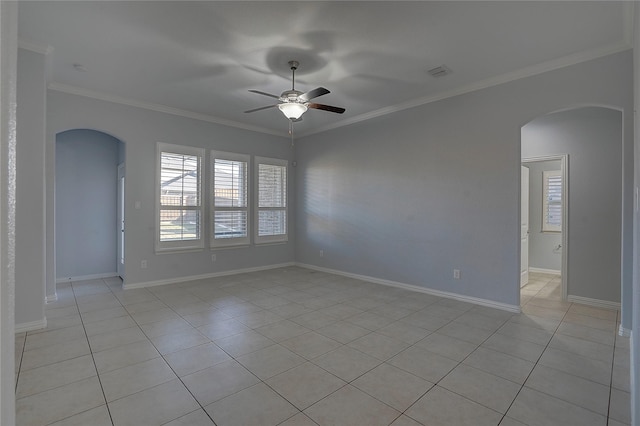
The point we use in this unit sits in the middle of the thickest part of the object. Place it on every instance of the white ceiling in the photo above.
(203, 57)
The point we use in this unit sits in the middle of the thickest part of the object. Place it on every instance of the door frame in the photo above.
(564, 168)
(522, 215)
(120, 267)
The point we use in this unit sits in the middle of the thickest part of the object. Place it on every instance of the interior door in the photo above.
(524, 226)
(120, 229)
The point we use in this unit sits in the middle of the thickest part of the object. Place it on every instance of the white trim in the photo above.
(51, 298)
(604, 304)
(411, 287)
(204, 276)
(564, 167)
(544, 271)
(31, 326)
(624, 332)
(79, 91)
(533, 70)
(86, 277)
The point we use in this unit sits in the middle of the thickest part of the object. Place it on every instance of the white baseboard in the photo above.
(51, 298)
(604, 304)
(624, 332)
(31, 326)
(204, 276)
(87, 277)
(545, 271)
(455, 296)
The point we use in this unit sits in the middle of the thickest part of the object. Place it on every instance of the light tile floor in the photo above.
(298, 347)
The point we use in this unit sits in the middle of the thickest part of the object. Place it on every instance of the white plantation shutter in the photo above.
(229, 199)
(272, 200)
(552, 201)
(179, 210)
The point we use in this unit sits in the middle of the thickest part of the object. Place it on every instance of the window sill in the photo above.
(230, 246)
(179, 250)
(272, 243)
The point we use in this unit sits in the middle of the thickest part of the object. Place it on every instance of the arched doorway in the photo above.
(590, 138)
(89, 185)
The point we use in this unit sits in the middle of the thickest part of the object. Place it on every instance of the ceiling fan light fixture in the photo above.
(292, 110)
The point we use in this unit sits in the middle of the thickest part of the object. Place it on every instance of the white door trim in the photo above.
(564, 167)
(524, 225)
(120, 266)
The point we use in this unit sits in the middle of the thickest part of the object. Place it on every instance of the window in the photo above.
(271, 214)
(229, 199)
(179, 209)
(552, 201)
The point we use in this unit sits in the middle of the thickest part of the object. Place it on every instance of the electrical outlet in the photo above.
(143, 264)
(321, 253)
(213, 257)
(456, 274)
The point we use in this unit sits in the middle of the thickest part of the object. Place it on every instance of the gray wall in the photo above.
(592, 138)
(140, 130)
(30, 196)
(543, 252)
(410, 196)
(86, 194)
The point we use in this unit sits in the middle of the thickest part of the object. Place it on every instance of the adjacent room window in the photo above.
(271, 211)
(179, 210)
(229, 199)
(552, 201)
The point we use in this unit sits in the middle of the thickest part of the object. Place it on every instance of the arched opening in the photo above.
(89, 205)
(585, 146)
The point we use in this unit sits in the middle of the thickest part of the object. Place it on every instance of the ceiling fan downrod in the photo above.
(294, 66)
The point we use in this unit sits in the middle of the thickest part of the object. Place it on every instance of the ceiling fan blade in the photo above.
(306, 97)
(265, 94)
(261, 108)
(329, 108)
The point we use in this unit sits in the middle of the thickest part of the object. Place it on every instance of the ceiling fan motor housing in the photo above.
(291, 96)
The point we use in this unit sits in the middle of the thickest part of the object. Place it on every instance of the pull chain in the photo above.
(291, 132)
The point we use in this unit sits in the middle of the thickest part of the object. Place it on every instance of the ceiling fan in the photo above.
(294, 103)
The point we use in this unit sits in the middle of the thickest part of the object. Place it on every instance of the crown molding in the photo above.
(35, 47)
(79, 91)
(482, 84)
(479, 85)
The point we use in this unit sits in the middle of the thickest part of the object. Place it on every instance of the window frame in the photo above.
(546, 226)
(180, 245)
(234, 241)
(267, 239)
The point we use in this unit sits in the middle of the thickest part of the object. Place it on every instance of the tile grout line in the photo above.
(172, 369)
(164, 359)
(583, 378)
(537, 361)
(459, 363)
(24, 344)
(613, 363)
(394, 321)
(106, 403)
(547, 346)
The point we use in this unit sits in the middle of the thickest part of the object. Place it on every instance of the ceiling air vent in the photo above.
(440, 71)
